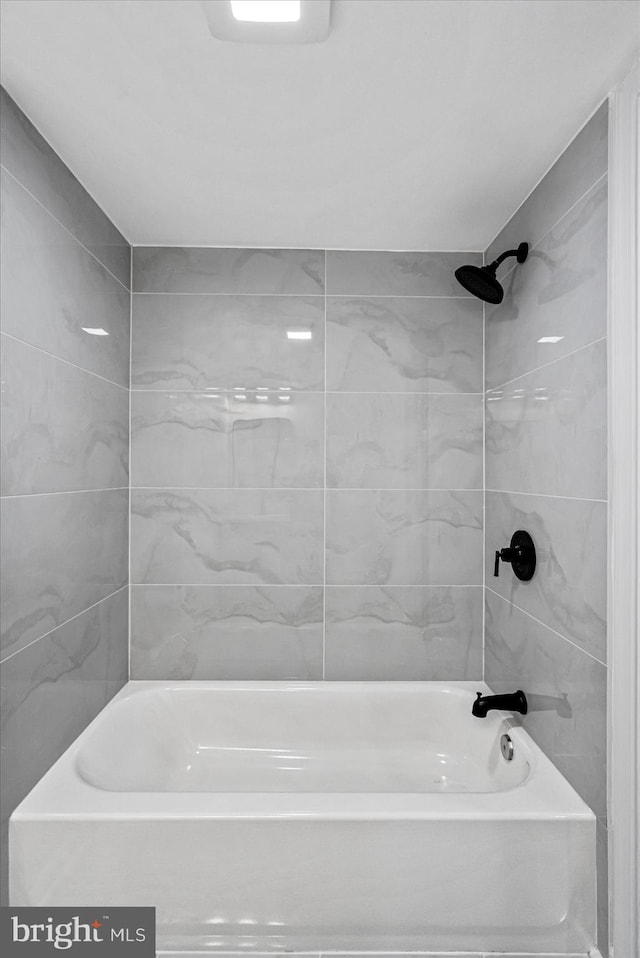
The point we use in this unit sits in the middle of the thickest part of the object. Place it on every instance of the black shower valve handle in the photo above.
(506, 555)
(521, 553)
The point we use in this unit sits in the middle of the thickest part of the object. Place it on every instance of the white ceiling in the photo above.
(419, 124)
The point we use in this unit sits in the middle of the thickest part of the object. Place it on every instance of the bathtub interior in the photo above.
(327, 737)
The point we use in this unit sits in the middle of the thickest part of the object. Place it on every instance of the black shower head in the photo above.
(481, 281)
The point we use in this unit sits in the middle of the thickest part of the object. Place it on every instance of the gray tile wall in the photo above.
(65, 438)
(546, 469)
(305, 507)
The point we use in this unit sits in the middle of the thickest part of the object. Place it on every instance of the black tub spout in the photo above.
(511, 702)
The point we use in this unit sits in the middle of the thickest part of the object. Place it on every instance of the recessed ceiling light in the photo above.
(550, 339)
(93, 331)
(269, 21)
(266, 11)
(299, 334)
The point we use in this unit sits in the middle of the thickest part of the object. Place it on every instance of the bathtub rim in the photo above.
(62, 793)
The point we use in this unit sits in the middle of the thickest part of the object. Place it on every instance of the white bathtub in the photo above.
(312, 817)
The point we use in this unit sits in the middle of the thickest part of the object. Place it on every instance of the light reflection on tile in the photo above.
(52, 287)
(560, 293)
(197, 342)
(227, 439)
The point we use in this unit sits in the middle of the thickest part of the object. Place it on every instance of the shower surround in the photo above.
(303, 506)
(306, 466)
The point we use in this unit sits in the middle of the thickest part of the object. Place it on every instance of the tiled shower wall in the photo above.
(306, 466)
(65, 477)
(546, 470)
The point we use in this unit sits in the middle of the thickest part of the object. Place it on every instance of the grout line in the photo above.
(66, 228)
(293, 391)
(551, 362)
(67, 362)
(331, 489)
(324, 508)
(62, 624)
(544, 495)
(318, 295)
(547, 627)
(303, 249)
(468, 298)
(65, 492)
(229, 295)
(303, 585)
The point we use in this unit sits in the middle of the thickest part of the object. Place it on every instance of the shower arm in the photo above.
(520, 253)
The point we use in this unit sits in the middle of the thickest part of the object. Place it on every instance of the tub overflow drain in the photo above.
(506, 747)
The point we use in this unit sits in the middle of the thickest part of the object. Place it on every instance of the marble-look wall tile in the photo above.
(195, 342)
(229, 490)
(60, 554)
(226, 632)
(522, 653)
(404, 441)
(203, 537)
(27, 155)
(404, 344)
(568, 592)
(406, 537)
(582, 163)
(356, 273)
(215, 439)
(404, 633)
(52, 288)
(559, 293)
(62, 428)
(209, 270)
(52, 690)
(547, 431)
